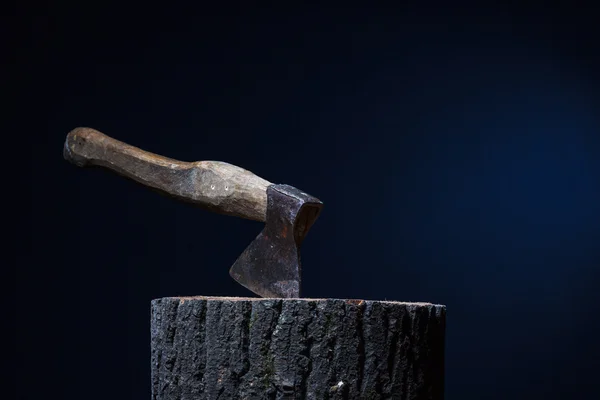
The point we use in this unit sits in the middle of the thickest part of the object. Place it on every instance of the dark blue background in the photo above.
(456, 149)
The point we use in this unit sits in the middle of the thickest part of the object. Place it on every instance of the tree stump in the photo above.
(255, 348)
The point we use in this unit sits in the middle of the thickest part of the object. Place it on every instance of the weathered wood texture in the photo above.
(214, 185)
(242, 348)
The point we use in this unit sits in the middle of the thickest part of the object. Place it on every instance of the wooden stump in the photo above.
(254, 348)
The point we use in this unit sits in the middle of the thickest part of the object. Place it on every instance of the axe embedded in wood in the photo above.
(270, 265)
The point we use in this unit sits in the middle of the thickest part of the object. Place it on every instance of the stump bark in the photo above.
(254, 348)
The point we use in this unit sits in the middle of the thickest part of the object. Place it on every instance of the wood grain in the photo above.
(214, 185)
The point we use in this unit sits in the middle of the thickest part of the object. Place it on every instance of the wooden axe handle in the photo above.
(217, 186)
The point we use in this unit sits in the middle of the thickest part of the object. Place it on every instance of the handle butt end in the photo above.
(73, 146)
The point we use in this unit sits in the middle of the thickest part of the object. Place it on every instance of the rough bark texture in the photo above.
(243, 348)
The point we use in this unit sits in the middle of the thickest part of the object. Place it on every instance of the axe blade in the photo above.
(270, 266)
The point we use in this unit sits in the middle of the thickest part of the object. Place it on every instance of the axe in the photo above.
(270, 265)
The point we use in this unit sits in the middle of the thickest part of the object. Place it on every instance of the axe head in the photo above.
(270, 265)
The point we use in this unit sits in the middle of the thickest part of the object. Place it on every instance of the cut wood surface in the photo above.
(256, 348)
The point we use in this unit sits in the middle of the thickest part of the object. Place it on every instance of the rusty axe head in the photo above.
(270, 266)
